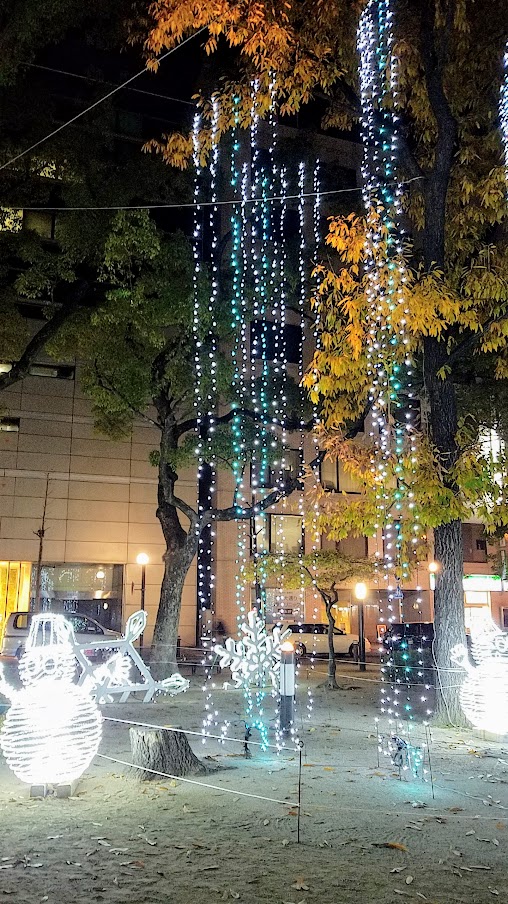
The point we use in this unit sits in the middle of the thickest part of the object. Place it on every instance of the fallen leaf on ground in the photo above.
(300, 885)
(394, 845)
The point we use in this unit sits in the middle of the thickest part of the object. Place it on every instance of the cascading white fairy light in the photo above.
(382, 199)
(316, 332)
(302, 300)
(503, 110)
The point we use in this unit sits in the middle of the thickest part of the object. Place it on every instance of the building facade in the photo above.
(86, 506)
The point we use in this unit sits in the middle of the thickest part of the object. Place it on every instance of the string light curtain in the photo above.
(259, 290)
(388, 361)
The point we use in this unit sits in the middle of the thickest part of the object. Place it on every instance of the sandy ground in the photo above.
(119, 840)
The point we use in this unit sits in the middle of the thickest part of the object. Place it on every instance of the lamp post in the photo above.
(143, 560)
(361, 594)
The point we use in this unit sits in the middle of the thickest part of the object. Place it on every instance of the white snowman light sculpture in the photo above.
(484, 693)
(53, 728)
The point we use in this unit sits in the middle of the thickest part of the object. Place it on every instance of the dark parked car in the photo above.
(409, 634)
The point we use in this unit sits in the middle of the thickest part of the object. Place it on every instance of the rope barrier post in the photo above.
(286, 686)
(300, 748)
(428, 736)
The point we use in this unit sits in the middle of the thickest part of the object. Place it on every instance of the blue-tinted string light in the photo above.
(389, 364)
(503, 110)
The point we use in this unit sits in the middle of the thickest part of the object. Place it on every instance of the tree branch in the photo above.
(75, 302)
(290, 424)
(468, 344)
(105, 383)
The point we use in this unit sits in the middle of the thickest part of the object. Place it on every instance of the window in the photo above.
(270, 340)
(57, 371)
(474, 543)
(356, 547)
(9, 424)
(334, 478)
(43, 222)
(264, 475)
(277, 534)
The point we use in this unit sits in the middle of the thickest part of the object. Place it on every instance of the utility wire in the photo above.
(101, 81)
(97, 102)
(192, 204)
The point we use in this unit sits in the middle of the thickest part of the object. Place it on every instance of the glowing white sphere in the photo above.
(51, 732)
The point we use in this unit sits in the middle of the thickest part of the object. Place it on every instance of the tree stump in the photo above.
(163, 750)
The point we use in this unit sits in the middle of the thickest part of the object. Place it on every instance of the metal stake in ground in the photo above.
(300, 745)
(286, 686)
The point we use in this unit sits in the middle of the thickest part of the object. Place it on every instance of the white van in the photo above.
(18, 623)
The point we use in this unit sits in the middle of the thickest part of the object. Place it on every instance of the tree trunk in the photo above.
(449, 623)
(332, 664)
(163, 750)
(163, 658)
(449, 593)
(181, 547)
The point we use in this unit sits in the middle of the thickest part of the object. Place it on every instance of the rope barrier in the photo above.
(190, 781)
(200, 734)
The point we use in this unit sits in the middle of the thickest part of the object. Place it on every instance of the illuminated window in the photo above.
(43, 222)
(277, 534)
(334, 478)
(9, 424)
(57, 371)
(10, 220)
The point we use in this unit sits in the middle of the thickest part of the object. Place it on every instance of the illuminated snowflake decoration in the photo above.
(255, 658)
(484, 693)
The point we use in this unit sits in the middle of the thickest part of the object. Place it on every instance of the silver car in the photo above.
(86, 630)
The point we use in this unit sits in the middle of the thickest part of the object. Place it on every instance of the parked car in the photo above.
(312, 639)
(412, 634)
(18, 623)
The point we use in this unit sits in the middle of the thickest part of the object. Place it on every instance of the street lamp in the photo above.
(143, 560)
(360, 592)
(433, 568)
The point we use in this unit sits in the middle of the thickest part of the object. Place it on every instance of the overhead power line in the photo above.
(97, 103)
(193, 204)
(101, 81)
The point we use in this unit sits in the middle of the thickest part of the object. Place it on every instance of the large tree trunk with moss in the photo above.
(449, 594)
(439, 387)
(448, 620)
